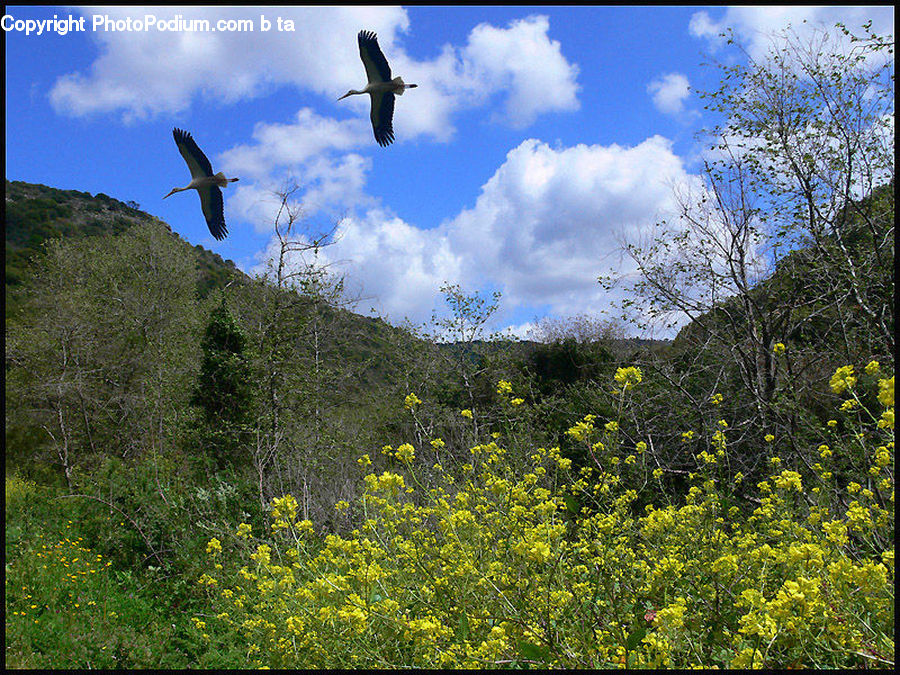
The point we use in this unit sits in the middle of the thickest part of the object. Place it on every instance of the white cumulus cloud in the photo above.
(754, 24)
(524, 61)
(544, 227)
(147, 73)
(669, 93)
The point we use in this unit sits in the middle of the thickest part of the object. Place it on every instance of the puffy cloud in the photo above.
(754, 24)
(520, 61)
(314, 152)
(523, 60)
(279, 145)
(545, 225)
(394, 266)
(551, 219)
(669, 93)
(147, 73)
(328, 185)
(150, 72)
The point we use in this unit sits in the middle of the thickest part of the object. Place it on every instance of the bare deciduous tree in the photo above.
(794, 195)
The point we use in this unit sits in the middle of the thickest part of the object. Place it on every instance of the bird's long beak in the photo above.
(344, 96)
(174, 190)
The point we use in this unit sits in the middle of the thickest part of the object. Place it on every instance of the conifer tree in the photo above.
(223, 391)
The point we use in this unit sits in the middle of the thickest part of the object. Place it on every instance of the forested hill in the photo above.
(36, 213)
(305, 355)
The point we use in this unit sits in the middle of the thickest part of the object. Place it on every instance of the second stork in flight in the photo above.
(381, 88)
(204, 182)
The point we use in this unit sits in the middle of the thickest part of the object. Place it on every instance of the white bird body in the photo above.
(395, 86)
(381, 88)
(204, 181)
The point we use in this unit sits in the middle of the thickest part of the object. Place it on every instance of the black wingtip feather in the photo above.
(216, 224)
(218, 230)
(384, 138)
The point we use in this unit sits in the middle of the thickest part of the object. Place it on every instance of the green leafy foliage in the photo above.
(36, 214)
(482, 568)
(66, 605)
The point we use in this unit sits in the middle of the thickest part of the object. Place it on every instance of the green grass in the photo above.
(67, 606)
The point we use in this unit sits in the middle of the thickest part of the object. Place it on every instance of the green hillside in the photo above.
(36, 213)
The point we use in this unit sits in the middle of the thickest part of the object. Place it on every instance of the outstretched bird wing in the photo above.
(213, 210)
(382, 117)
(193, 155)
(377, 68)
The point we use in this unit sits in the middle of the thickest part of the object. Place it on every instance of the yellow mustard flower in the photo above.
(842, 380)
(628, 377)
(886, 392)
(406, 453)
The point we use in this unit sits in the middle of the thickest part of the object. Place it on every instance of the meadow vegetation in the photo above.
(555, 567)
(207, 470)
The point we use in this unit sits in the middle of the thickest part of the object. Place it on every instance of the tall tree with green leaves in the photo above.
(224, 391)
(292, 317)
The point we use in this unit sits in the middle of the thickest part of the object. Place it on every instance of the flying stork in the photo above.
(381, 88)
(204, 182)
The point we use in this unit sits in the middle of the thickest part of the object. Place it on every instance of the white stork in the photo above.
(381, 88)
(204, 182)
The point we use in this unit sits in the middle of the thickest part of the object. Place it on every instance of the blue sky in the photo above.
(538, 137)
